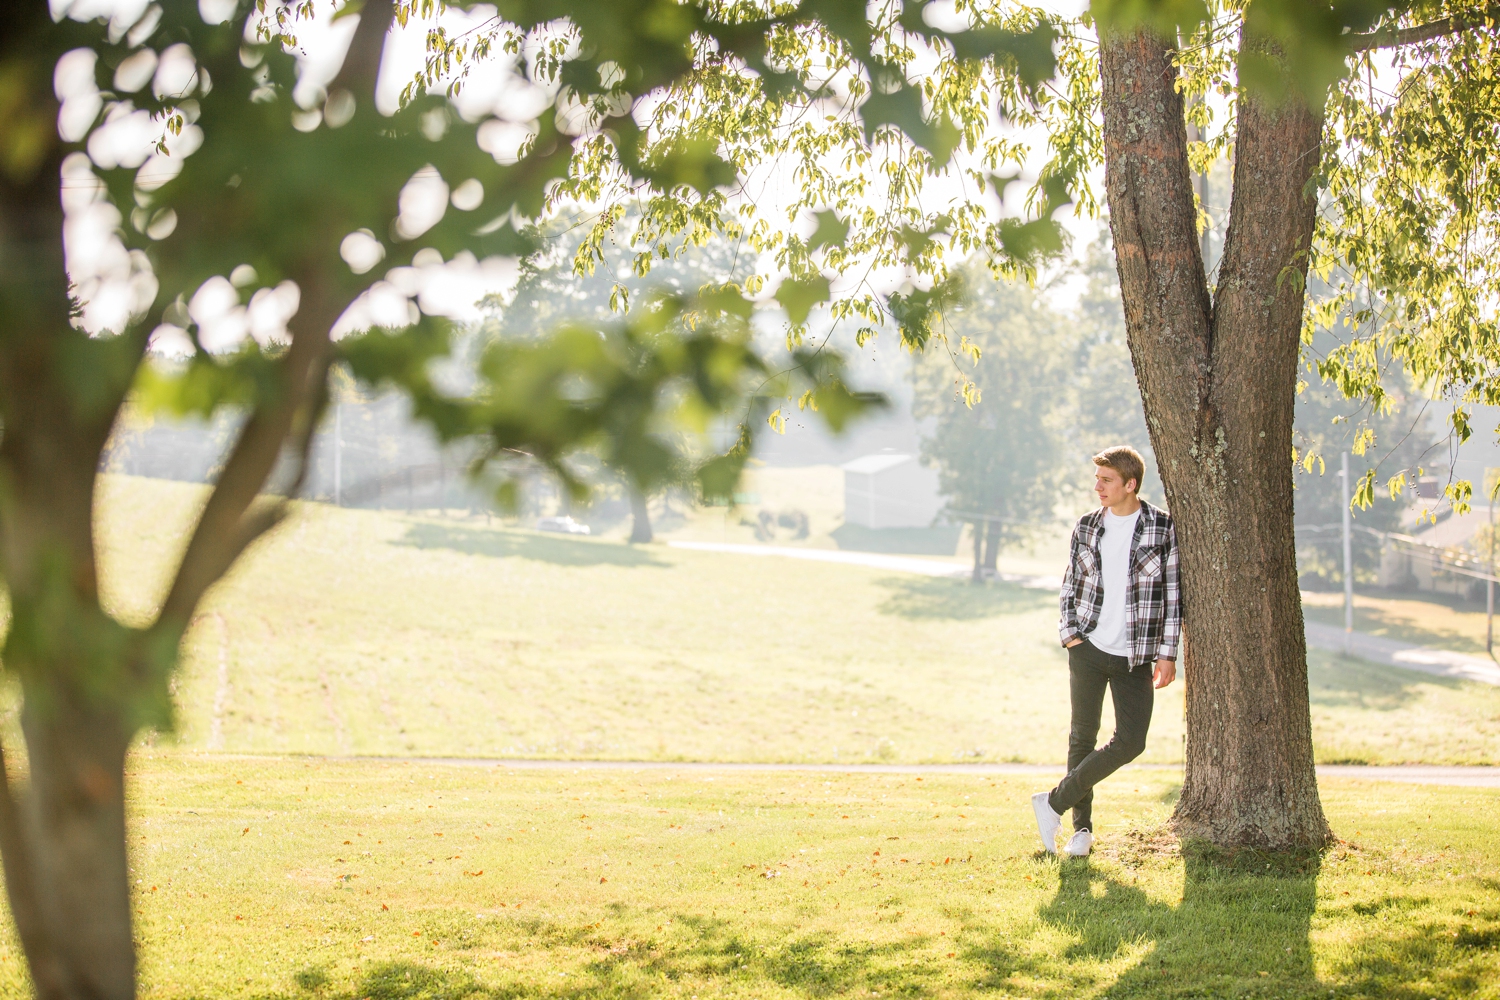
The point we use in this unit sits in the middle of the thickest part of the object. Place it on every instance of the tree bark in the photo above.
(1218, 381)
(640, 528)
(992, 547)
(74, 817)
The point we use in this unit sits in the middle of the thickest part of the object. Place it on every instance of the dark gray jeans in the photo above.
(1090, 670)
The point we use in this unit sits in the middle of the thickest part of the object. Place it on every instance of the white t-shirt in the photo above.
(1114, 555)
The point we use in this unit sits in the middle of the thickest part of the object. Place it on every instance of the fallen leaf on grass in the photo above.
(475, 874)
(384, 906)
(244, 831)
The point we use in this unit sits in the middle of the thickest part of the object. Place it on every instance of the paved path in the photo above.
(902, 564)
(875, 560)
(1441, 662)
(1391, 652)
(1417, 774)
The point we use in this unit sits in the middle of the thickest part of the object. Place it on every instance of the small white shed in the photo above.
(890, 490)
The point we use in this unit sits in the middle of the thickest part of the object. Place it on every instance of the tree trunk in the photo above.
(72, 848)
(640, 529)
(992, 547)
(1218, 382)
(978, 575)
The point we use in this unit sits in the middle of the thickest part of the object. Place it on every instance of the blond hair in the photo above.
(1126, 461)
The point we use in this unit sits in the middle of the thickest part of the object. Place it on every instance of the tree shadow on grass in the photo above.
(1242, 927)
(807, 964)
(715, 956)
(1335, 682)
(501, 544)
(946, 599)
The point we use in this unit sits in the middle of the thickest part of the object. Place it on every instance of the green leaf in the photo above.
(902, 108)
(690, 161)
(831, 230)
(1030, 52)
(1168, 18)
(798, 296)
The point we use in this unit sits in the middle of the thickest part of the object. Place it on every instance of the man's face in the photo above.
(1110, 486)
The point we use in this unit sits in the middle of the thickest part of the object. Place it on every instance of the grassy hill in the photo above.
(363, 632)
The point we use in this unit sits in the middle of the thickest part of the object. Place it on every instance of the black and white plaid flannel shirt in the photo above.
(1153, 605)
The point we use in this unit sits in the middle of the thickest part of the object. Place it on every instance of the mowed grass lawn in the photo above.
(376, 633)
(328, 880)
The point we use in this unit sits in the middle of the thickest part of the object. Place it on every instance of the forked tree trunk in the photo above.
(62, 826)
(89, 682)
(1218, 380)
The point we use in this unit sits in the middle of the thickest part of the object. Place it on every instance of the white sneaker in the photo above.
(1047, 821)
(1079, 845)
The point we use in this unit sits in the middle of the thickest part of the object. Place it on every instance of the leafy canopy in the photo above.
(270, 186)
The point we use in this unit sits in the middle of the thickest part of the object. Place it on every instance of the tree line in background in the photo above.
(1055, 387)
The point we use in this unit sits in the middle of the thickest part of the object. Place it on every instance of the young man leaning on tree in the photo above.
(1121, 612)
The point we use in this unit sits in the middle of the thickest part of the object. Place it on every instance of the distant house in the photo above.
(890, 490)
(1435, 557)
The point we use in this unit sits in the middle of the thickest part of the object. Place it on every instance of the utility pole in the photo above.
(1200, 183)
(1491, 486)
(1348, 564)
(338, 454)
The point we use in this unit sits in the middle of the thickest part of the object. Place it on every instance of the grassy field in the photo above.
(279, 877)
(360, 632)
(315, 880)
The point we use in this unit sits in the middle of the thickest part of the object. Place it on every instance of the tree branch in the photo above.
(236, 513)
(232, 518)
(362, 62)
(1392, 37)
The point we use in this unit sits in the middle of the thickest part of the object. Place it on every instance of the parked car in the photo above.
(565, 525)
